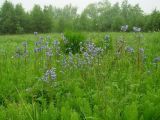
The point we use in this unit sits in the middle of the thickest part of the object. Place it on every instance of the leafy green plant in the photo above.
(73, 41)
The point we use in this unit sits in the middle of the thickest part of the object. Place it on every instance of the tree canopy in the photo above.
(101, 16)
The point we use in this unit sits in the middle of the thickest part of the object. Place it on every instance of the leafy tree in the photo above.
(105, 14)
(37, 19)
(89, 17)
(154, 21)
(69, 14)
(47, 19)
(20, 17)
(7, 18)
(136, 17)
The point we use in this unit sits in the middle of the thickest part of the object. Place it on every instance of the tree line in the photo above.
(101, 16)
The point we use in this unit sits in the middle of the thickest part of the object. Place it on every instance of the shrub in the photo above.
(73, 41)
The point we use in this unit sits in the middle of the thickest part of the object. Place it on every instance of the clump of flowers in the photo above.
(50, 75)
(22, 51)
(121, 43)
(37, 50)
(25, 44)
(107, 38)
(136, 29)
(49, 52)
(129, 49)
(64, 39)
(64, 61)
(35, 33)
(87, 58)
(18, 52)
(108, 42)
(48, 37)
(56, 47)
(39, 47)
(90, 52)
(156, 60)
(56, 43)
(124, 28)
(71, 59)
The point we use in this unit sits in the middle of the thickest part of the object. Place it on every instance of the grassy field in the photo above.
(117, 78)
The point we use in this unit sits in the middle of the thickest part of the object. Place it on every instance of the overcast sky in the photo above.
(146, 5)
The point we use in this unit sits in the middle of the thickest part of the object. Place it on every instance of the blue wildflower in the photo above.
(124, 28)
(24, 44)
(56, 43)
(136, 29)
(35, 33)
(50, 75)
(107, 38)
(129, 49)
(49, 52)
(156, 60)
(48, 37)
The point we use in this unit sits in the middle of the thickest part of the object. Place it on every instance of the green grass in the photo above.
(110, 88)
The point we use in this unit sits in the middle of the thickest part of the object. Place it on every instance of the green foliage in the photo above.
(93, 92)
(101, 16)
(20, 29)
(37, 19)
(20, 17)
(65, 112)
(7, 19)
(110, 88)
(73, 41)
(74, 116)
(131, 112)
(153, 23)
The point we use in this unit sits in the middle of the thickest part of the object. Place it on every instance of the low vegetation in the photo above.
(113, 76)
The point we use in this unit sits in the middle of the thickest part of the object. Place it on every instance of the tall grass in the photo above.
(104, 87)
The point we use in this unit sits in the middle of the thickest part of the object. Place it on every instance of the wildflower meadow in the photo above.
(106, 76)
(79, 59)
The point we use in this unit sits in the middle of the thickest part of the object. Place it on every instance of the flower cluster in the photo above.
(129, 49)
(35, 33)
(124, 28)
(156, 60)
(136, 29)
(18, 52)
(49, 52)
(50, 75)
(107, 38)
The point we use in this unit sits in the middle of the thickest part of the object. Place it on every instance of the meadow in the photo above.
(112, 76)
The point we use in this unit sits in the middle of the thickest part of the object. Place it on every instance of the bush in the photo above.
(73, 41)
